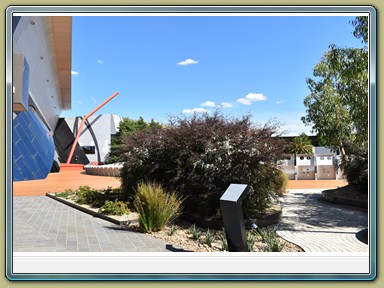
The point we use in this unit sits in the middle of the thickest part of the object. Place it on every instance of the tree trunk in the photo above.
(342, 148)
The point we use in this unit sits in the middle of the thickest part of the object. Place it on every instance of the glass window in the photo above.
(88, 149)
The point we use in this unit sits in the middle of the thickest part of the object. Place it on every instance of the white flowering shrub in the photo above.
(201, 155)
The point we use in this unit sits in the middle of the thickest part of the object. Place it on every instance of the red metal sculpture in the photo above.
(68, 165)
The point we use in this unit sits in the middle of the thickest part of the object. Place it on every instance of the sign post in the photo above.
(232, 213)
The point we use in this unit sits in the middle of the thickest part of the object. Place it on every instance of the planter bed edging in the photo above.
(326, 196)
(93, 213)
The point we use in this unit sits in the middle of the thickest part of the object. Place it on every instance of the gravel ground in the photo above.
(179, 236)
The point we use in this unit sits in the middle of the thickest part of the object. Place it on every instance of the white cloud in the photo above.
(187, 62)
(255, 97)
(208, 104)
(244, 101)
(279, 102)
(226, 105)
(79, 102)
(93, 99)
(100, 61)
(196, 110)
(251, 97)
(75, 73)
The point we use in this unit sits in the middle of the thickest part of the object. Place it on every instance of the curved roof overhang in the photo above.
(60, 35)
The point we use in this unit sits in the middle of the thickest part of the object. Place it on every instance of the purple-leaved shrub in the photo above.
(201, 155)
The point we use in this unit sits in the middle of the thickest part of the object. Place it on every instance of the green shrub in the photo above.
(251, 240)
(264, 191)
(93, 198)
(68, 193)
(96, 198)
(209, 237)
(269, 236)
(200, 156)
(355, 168)
(195, 232)
(156, 207)
(223, 239)
(280, 180)
(82, 194)
(114, 208)
(172, 230)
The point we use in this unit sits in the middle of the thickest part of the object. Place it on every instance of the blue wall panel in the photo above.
(33, 148)
(16, 173)
(24, 170)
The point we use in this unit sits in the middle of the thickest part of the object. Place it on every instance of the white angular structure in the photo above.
(95, 139)
(325, 167)
(305, 164)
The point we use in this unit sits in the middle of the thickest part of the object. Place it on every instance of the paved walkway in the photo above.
(41, 224)
(319, 226)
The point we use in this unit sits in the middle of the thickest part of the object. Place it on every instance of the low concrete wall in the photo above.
(112, 170)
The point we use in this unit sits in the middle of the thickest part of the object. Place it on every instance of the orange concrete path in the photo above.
(58, 182)
(315, 184)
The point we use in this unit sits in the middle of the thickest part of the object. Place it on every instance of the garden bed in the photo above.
(182, 238)
(178, 233)
(269, 216)
(127, 220)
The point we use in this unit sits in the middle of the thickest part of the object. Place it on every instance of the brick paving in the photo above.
(43, 224)
(319, 226)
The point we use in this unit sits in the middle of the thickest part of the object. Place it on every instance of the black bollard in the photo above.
(231, 208)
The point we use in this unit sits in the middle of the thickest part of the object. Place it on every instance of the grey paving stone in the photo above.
(43, 224)
(319, 226)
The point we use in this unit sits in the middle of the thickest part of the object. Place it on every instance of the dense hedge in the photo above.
(199, 156)
(355, 167)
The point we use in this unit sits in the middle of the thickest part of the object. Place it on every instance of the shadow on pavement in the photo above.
(174, 249)
(362, 236)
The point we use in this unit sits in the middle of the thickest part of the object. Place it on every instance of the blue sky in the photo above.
(163, 65)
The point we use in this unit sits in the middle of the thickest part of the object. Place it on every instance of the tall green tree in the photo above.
(337, 106)
(126, 127)
(361, 28)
